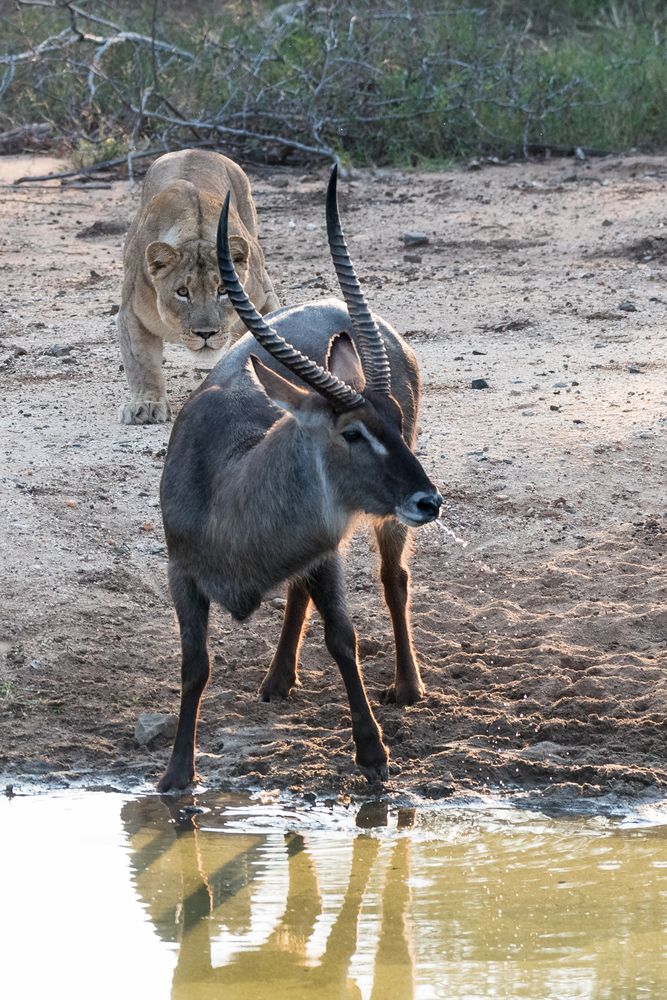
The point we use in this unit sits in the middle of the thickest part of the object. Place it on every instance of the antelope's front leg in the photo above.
(282, 674)
(407, 687)
(192, 610)
(326, 589)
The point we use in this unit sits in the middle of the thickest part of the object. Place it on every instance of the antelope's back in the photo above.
(309, 328)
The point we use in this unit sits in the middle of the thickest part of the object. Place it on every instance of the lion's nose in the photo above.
(204, 334)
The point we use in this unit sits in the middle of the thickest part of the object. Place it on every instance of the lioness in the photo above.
(171, 289)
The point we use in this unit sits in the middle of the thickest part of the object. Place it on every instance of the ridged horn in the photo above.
(338, 393)
(371, 342)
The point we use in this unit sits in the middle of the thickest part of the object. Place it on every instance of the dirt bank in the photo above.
(543, 642)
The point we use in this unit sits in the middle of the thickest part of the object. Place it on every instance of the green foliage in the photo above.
(398, 82)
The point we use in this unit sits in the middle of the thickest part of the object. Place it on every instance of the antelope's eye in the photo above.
(182, 292)
(351, 434)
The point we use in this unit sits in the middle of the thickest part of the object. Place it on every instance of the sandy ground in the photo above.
(543, 641)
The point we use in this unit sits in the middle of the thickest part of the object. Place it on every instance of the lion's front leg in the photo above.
(141, 352)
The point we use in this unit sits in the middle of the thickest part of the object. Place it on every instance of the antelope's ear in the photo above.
(344, 362)
(281, 392)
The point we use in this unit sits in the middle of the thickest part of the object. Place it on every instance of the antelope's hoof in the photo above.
(375, 773)
(404, 694)
(176, 778)
(276, 688)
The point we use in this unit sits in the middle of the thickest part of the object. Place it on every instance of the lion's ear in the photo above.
(161, 257)
(240, 249)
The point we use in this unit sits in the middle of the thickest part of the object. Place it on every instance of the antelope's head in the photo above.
(350, 406)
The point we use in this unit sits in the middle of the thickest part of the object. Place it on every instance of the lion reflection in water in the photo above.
(204, 891)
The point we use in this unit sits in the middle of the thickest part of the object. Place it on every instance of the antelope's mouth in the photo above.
(420, 508)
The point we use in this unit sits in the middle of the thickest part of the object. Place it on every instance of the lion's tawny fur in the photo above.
(170, 250)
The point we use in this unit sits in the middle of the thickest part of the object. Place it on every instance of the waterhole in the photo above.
(105, 895)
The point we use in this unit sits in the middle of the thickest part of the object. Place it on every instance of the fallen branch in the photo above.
(83, 171)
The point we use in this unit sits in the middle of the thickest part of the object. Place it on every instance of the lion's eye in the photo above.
(351, 435)
(182, 292)
(221, 289)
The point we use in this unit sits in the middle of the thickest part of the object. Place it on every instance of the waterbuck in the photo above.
(302, 427)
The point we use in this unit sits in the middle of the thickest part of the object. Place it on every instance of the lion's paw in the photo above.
(145, 411)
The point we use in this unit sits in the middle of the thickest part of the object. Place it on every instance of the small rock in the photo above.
(415, 239)
(480, 353)
(153, 724)
(58, 350)
(438, 790)
(72, 504)
(279, 603)
(279, 182)
(628, 307)
(607, 222)
(148, 526)
(190, 811)
(555, 408)
(114, 310)
(528, 413)
(412, 258)
(635, 370)
(19, 352)
(479, 383)
(545, 750)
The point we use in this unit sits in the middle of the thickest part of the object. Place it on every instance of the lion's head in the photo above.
(191, 298)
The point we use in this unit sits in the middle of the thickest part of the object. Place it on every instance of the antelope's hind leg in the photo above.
(392, 536)
(325, 584)
(192, 609)
(282, 675)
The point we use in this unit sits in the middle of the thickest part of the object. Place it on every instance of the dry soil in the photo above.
(543, 640)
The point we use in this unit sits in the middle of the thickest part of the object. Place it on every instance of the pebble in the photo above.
(479, 383)
(415, 239)
(634, 370)
(58, 350)
(628, 307)
(528, 413)
(154, 724)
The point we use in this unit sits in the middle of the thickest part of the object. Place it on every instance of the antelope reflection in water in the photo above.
(248, 913)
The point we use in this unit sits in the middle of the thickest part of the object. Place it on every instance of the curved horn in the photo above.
(340, 395)
(372, 345)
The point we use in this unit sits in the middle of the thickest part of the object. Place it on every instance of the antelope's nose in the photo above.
(428, 503)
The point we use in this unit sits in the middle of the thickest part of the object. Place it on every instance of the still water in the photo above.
(104, 895)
